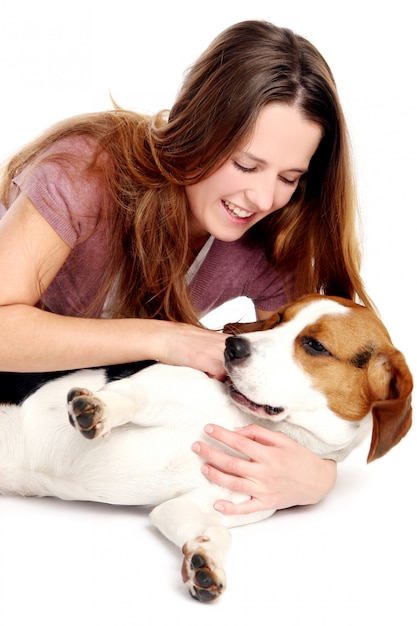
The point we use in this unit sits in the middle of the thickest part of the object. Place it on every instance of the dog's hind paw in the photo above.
(205, 581)
(85, 413)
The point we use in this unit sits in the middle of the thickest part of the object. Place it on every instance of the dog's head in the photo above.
(326, 365)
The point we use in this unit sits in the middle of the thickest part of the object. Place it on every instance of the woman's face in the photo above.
(258, 179)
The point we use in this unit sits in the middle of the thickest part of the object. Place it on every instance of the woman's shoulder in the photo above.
(78, 150)
(65, 189)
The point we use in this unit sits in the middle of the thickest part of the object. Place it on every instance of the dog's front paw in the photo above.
(204, 579)
(86, 413)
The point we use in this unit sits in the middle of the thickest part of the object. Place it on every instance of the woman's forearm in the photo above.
(33, 340)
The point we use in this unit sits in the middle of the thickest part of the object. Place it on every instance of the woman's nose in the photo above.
(263, 194)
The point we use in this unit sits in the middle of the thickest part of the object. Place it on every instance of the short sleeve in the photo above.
(64, 189)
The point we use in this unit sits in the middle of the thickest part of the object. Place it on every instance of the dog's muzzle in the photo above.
(237, 350)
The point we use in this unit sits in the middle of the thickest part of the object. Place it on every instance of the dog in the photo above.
(321, 370)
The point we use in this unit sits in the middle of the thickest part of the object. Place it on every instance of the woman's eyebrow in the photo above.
(253, 157)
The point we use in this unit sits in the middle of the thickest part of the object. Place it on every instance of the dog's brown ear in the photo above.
(391, 384)
(239, 328)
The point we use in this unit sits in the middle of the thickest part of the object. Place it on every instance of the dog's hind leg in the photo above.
(198, 530)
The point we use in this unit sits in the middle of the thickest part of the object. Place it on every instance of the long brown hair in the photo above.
(248, 66)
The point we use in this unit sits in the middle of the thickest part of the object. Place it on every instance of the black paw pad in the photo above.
(85, 420)
(197, 561)
(73, 393)
(89, 434)
(204, 579)
(203, 595)
(205, 588)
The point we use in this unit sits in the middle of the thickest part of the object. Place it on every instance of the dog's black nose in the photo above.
(236, 348)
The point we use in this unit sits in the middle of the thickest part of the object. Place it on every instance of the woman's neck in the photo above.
(196, 243)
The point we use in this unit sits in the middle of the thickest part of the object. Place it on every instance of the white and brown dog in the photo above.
(323, 371)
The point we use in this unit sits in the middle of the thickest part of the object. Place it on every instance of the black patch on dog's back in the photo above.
(15, 387)
(116, 372)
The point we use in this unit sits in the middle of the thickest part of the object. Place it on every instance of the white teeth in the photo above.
(236, 210)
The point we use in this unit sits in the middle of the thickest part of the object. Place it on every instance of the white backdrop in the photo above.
(346, 560)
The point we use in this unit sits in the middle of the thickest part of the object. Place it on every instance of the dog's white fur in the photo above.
(325, 366)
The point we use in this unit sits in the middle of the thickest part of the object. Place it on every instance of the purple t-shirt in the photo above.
(72, 202)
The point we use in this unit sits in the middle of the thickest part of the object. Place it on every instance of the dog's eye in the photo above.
(314, 347)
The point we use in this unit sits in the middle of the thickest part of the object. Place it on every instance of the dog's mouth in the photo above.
(262, 410)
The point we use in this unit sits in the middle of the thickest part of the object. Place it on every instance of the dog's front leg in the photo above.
(198, 530)
(95, 413)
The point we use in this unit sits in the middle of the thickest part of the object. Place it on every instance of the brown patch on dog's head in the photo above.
(380, 381)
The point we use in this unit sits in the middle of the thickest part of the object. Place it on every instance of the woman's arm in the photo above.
(31, 254)
(276, 472)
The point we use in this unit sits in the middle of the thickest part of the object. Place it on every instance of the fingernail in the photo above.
(196, 447)
(219, 507)
(208, 429)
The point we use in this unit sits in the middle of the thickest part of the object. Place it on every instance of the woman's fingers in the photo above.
(243, 441)
(273, 470)
(191, 346)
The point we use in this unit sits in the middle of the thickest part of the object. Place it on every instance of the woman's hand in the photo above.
(192, 346)
(276, 472)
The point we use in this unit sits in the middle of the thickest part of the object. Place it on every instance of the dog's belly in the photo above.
(138, 466)
(135, 465)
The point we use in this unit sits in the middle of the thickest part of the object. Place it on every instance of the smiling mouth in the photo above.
(262, 410)
(236, 211)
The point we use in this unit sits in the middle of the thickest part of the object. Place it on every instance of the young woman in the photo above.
(120, 231)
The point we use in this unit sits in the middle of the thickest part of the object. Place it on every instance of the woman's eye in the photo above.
(250, 170)
(287, 181)
(314, 347)
(242, 168)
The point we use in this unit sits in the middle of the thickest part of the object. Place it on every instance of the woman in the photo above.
(120, 231)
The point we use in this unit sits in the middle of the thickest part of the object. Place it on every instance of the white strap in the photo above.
(196, 264)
